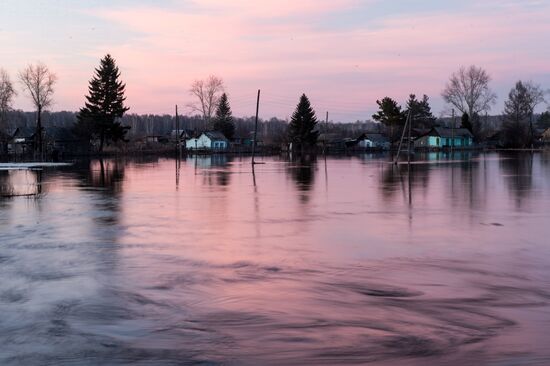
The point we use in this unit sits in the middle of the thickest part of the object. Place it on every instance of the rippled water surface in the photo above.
(339, 261)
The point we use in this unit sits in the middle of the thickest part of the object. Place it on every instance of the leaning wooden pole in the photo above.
(255, 129)
(402, 137)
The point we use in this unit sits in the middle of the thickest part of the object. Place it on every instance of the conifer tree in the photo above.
(391, 116)
(301, 130)
(421, 111)
(223, 121)
(99, 118)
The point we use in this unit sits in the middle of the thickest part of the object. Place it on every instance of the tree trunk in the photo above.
(101, 141)
(39, 147)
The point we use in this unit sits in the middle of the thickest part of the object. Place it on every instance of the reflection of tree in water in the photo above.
(108, 174)
(545, 163)
(469, 180)
(400, 178)
(104, 173)
(302, 171)
(106, 178)
(518, 171)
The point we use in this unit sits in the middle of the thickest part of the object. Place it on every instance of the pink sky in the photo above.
(344, 54)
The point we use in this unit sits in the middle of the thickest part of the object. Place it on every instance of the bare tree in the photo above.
(208, 93)
(468, 91)
(534, 96)
(38, 82)
(7, 92)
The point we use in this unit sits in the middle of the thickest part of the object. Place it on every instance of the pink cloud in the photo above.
(278, 47)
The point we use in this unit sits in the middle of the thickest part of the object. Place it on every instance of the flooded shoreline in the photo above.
(346, 261)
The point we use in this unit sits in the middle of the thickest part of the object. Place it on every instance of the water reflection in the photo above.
(214, 168)
(302, 171)
(123, 264)
(14, 183)
(518, 175)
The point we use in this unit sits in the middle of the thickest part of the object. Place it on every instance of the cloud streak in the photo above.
(286, 48)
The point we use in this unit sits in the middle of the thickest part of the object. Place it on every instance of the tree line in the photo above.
(104, 120)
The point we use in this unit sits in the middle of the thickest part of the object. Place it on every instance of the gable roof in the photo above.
(182, 133)
(24, 132)
(215, 136)
(450, 132)
(376, 137)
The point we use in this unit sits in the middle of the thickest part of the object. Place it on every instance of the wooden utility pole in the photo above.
(326, 136)
(177, 130)
(408, 120)
(453, 133)
(409, 139)
(255, 129)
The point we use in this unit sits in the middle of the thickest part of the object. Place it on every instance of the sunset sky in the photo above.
(344, 54)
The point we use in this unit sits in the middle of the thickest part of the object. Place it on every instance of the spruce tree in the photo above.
(301, 130)
(391, 116)
(99, 118)
(421, 111)
(223, 121)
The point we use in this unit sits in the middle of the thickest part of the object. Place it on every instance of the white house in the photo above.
(373, 141)
(213, 140)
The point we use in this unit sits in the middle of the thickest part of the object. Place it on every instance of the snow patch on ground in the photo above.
(25, 166)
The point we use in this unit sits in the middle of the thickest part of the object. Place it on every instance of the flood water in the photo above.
(340, 261)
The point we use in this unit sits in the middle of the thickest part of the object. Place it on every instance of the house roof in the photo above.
(450, 132)
(182, 132)
(376, 137)
(419, 131)
(24, 132)
(328, 137)
(216, 135)
(60, 134)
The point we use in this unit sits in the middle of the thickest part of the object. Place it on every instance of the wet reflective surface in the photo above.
(345, 261)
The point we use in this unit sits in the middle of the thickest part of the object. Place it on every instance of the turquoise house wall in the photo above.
(435, 141)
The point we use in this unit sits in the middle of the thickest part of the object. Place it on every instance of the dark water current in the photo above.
(344, 261)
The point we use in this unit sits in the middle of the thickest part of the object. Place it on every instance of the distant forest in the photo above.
(270, 131)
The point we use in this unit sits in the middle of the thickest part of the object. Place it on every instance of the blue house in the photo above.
(442, 137)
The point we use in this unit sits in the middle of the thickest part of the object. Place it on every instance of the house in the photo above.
(22, 140)
(546, 136)
(183, 134)
(495, 140)
(373, 141)
(154, 139)
(212, 140)
(442, 137)
(538, 134)
(5, 139)
(62, 140)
